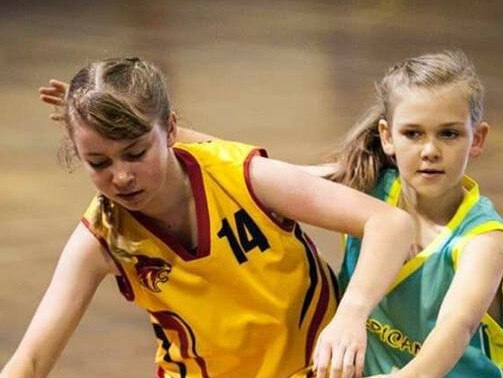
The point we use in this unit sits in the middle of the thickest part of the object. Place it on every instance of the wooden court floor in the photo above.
(288, 75)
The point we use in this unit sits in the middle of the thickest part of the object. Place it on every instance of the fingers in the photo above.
(52, 91)
(61, 85)
(52, 100)
(339, 359)
(340, 362)
(359, 363)
(322, 361)
(348, 363)
(336, 363)
(56, 117)
(56, 88)
(55, 93)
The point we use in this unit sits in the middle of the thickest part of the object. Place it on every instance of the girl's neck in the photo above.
(175, 197)
(173, 212)
(431, 214)
(437, 210)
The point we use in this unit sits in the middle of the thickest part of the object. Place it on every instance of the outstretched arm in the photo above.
(475, 283)
(81, 267)
(387, 235)
(321, 170)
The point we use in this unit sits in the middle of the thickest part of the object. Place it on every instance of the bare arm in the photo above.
(320, 170)
(387, 234)
(475, 283)
(82, 266)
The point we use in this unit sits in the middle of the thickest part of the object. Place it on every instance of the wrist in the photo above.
(355, 306)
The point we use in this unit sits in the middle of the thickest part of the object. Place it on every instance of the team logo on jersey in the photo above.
(393, 337)
(152, 272)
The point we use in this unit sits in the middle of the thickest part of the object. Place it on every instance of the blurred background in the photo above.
(289, 75)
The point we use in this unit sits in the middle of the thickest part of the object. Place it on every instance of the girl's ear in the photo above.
(386, 138)
(479, 139)
(172, 127)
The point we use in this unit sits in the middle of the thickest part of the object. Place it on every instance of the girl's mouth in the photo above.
(430, 173)
(129, 195)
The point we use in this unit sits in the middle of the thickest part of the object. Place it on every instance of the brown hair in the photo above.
(360, 156)
(120, 98)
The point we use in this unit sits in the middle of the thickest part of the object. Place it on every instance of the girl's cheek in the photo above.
(97, 180)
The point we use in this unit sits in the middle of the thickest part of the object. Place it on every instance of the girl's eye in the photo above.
(449, 134)
(411, 134)
(98, 165)
(135, 156)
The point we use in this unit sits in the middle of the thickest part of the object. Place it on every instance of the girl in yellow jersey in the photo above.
(201, 237)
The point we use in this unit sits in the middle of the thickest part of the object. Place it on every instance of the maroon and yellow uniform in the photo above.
(249, 301)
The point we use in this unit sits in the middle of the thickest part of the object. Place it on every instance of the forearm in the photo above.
(477, 279)
(80, 270)
(385, 246)
(321, 170)
(44, 340)
(448, 339)
(19, 366)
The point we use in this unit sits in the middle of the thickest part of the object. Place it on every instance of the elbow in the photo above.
(466, 326)
(461, 325)
(398, 228)
(395, 221)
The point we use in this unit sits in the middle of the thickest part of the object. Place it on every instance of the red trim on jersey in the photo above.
(322, 305)
(286, 224)
(203, 220)
(122, 280)
(172, 321)
(160, 372)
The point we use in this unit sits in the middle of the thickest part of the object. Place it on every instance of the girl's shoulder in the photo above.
(217, 151)
(486, 206)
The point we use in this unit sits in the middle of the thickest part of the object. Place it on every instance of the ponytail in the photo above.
(107, 217)
(360, 156)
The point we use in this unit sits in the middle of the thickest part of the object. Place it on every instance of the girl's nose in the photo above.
(123, 179)
(430, 151)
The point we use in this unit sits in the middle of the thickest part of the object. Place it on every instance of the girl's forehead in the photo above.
(453, 91)
(445, 104)
(87, 139)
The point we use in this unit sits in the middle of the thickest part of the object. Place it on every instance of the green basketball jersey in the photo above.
(401, 322)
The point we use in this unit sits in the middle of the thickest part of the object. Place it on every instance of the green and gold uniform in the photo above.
(403, 319)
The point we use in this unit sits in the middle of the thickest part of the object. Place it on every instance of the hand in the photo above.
(341, 345)
(55, 95)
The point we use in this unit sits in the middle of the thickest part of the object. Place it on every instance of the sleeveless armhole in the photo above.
(122, 281)
(284, 223)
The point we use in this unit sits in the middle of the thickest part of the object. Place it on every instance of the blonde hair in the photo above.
(120, 98)
(360, 155)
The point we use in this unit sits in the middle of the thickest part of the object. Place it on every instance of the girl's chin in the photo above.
(133, 203)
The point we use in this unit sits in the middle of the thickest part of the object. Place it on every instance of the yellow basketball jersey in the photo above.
(249, 301)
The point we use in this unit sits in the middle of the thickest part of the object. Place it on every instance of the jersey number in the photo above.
(249, 235)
